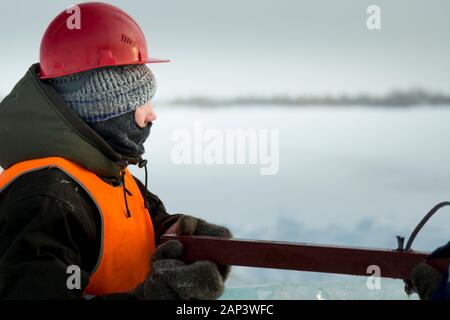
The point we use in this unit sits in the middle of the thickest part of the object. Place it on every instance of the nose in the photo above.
(150, 114)
(145, 114)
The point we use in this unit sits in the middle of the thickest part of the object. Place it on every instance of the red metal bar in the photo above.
(302, 256)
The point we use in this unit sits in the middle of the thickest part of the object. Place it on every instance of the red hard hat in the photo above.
(105, 36)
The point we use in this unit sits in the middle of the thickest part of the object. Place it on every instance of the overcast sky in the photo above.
(238, 47)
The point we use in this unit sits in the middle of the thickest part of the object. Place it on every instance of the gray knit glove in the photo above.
(172, 279)
(188, 225)
(425, 279)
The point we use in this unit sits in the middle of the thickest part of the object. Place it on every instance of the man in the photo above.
(68, 131)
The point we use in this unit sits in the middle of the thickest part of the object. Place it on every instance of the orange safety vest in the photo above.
(127, 242)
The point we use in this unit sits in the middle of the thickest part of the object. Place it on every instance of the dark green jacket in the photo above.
(47, 222)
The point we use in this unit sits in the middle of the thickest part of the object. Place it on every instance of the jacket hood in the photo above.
(35, 123)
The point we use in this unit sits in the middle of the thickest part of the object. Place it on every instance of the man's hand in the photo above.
(172, 279)
(425, 279)
(188, 225)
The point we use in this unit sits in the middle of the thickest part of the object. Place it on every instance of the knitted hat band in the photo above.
(104, 93)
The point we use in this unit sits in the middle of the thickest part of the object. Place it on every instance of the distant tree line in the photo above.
(409, 98)
(415, 97)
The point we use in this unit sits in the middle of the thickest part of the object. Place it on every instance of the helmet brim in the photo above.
(156, 60)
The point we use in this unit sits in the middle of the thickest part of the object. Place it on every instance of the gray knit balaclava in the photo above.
(106, 99)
